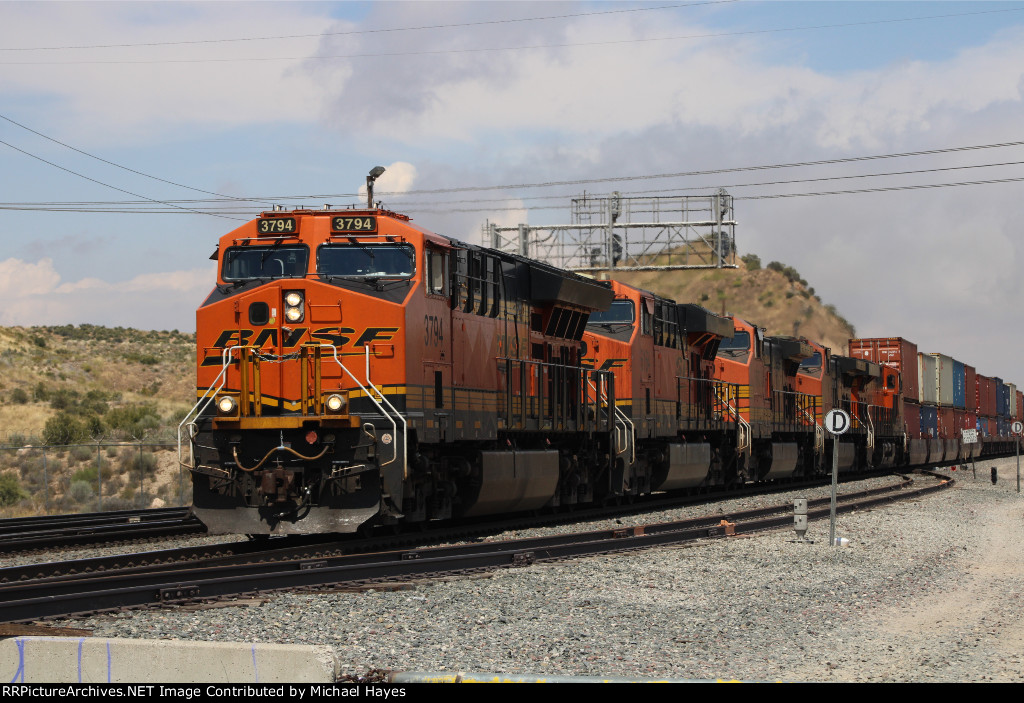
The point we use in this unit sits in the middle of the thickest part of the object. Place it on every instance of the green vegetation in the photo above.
(11, 491)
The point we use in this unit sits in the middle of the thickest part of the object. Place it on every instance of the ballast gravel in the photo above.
(928, 590)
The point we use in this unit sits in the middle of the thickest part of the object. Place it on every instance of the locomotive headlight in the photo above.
(335, 403)
(294, 308)
(226, 405)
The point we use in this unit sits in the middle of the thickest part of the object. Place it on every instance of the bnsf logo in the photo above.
(338, 336)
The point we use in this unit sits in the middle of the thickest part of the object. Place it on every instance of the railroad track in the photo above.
(54, 531)
(233, 575)
(320, 545)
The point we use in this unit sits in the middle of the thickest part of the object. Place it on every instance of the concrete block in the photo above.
(99, 660)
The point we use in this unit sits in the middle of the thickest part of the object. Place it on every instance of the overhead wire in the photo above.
(107, 185)
(564, 45)
(111, 163)
(451, 25)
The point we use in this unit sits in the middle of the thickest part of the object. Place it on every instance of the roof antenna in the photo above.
(375, 173)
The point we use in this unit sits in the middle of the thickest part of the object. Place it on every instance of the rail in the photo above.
(705, 403)
(251, 400)
(542, 396)
(788, 410)
(200, 406)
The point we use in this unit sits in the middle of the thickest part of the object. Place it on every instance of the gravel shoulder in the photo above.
(927, 591)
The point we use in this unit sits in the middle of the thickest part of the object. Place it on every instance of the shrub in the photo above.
(19, 396)
(752, 261)
(63, 428)
(133, 420)
(80, 491)
(10, 490)
(81, 453)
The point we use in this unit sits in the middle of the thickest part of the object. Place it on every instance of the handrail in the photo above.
(212, 393)
(745, 433)
(630, 433)
(405, 424)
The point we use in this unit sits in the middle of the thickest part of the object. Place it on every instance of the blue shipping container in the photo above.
(929, 421)
(959, 380)
(1003, 407)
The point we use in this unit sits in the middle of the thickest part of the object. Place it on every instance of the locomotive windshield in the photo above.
(735, 346)
(621, 312)
(247, 263)
(811, 365)
(366, 261)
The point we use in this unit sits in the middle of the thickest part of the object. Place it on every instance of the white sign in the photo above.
(1017, 427)
(837, 421)
(969, 436)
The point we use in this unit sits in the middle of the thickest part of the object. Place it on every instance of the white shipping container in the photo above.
(927, 381)
(943, 379)
(1013, 400)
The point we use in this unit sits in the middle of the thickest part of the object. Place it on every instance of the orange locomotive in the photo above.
(681, 428)
(354, 368)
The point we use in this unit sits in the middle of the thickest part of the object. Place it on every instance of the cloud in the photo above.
(96, 100)
(397, 178)
(35, 295)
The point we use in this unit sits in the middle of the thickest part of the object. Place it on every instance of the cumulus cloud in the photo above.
(34, 294)
(114, 95)
(397, 178)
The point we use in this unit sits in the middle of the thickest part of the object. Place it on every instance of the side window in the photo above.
(496, 278)
(646, 323)
(436, 279)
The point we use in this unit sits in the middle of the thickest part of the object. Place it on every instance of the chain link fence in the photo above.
(38, 479)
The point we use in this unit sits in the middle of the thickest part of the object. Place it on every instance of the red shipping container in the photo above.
(993, 427)
(970, 420)
(947, 423)
(971, 387)
(912, 416)
(891, 351)
(1020, 408)
(986, 396)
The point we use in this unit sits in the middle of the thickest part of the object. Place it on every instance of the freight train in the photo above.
(354, 369)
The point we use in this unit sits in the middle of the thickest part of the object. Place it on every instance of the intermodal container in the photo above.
(929, 421)
(986, 396)
(943, 380)
(947, 422)
(891, 351)
(1002, 398)
(959, 393)
(927, 382)
(1020, 406)
(912, 414)
(970, 388)
(1012, 398)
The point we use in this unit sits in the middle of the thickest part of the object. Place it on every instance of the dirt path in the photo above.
(973, 631)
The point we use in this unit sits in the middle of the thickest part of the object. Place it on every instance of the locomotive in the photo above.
(355, 369)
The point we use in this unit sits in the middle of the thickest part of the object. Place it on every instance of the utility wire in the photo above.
(107, 185)
(436, 52)
(483, 201)
(880, 189)
(111, 163)
(370, 31)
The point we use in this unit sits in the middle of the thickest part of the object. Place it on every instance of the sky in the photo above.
(125, 128)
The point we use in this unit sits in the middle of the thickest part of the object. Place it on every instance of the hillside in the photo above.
(774, 298)
(105, 392)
